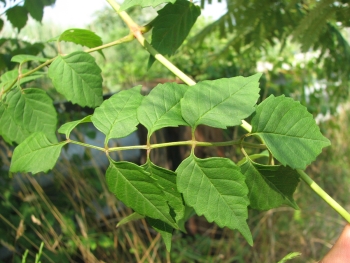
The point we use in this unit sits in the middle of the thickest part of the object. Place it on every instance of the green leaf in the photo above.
(215, 188)
(143, 3)
(33, 110)
(166, 179)
(1, 24)
(289, 131)
(172, 25)
(116, 117)
(24, 58)
(289, 257)
(270, 186)
(136, 189)
(81, 37)
(18, 16)
(9, 129)
(220, 103)
(10, 76)
(161, 108)
(78, 78)
(35, 9)
(69, 126)
(163, 229)
(130, 218)
(36, 154)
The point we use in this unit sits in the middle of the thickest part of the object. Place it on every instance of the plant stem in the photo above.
(87, 145)
(329, 200)
(127, 38)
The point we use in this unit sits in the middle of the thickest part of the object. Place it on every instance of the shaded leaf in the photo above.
(172, 25)
(130, 218)
(78, 78)
(270, 186)
(220, 103)
(161, 108)
(163, 229)
(143, 3)
(289, 131)
(29, 156)
(18, 16)
(1, 24)
(116, 117)
(136, 189)
(82, 37)
(215, 188)
(69, 126)
(35, 9)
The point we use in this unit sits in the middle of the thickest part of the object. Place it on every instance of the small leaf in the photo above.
(164, 229)
(78, 78)
(116, 117)
(35, 9)
(18, 16)
(136, 189)
(220, 103)
(270, 186)
(289, 131)
(82, 37)
(130, 218)
(143, 3)
(69, 126)
(166, 179)
(33, 110)
(215, 188)
(11, 76)
(289, 257)
(36, 154)
(24, 58)
(161, 108)
(172, 25)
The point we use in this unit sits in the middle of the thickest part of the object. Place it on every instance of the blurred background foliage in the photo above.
(302, 47)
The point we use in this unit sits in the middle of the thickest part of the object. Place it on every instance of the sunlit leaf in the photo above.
(289, 131)
(270, 186)
(82, 37)
(116, 117)
(216, 188)
(135, 188)
(220, 103)
(35, 154)
(161, 108)
(78, 78)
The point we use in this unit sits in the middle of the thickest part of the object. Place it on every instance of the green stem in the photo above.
(87, 145)
(329, 200)
(127, 38)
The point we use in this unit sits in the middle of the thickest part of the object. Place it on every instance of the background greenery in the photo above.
(303, 50)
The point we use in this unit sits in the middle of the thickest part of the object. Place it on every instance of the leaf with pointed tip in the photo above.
(136, 189)
(270, 186)
(220, 103)
(289, 131)
(25, 58)
(11, 76)
(166, 179)
(215, 188)
(78, 78)
(69, 126)
(143, 3)
(116, 117)
(172, 25)
(161, 108)
(163, 229)
(36, 154)
(18, 16)
(9, 129)
(130, 218)
(33, 110)
(82, 37)
(35, 9)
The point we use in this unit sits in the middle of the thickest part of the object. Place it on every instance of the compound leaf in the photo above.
(136, 189)
(82, 37)
(289, 131)
(215, 188)
(78, 78)
(116, 117)
(35, 154)
(270, 186)
(143, 3)
(32, 110)
(220, 103)
(172, 25)
(18, 16)
(69, 126)
(161, 108)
